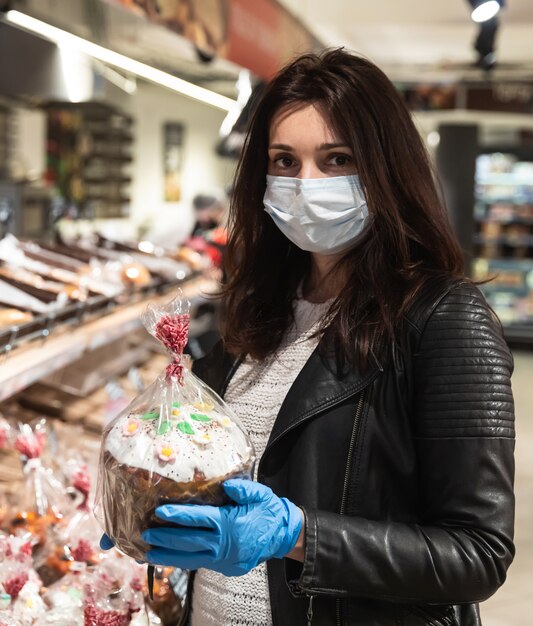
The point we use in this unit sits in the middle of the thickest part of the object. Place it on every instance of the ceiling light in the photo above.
(127, 64)
(483, 10)
(433, 138)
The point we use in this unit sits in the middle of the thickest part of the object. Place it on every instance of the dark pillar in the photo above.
(456, 166)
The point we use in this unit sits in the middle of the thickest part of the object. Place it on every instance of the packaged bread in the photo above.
(177, 442)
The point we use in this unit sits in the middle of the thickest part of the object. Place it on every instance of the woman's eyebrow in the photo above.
(330, 146)
(322, 146)
(279, 146)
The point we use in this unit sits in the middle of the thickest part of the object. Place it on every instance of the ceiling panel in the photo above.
(430, 33)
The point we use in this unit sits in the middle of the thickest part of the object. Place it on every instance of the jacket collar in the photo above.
(321, 384)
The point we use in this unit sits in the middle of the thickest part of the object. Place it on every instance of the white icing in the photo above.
(216, 448)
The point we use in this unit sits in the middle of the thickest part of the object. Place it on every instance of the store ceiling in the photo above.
(407, 37)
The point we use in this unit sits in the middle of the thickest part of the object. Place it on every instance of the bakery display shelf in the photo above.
(516, 200)
(505, 178)
(509, 240)
(105, 156)
(519, 334)
(43, 325)
(68, 379)
(107, 178)
(75, 313)
(508, 288)
(102, 197)
(36, 360)
(504, 219)
(111, 134)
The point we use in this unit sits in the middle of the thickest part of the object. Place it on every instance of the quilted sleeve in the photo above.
(464, 425)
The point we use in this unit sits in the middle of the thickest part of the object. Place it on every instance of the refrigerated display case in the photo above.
(503, 239)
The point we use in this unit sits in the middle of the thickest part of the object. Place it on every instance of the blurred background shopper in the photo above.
(370, 373)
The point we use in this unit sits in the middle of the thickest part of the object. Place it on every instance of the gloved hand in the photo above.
(230, 539)
(106, 543)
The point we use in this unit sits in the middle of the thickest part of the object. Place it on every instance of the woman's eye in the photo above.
(339, 160)
(284, 162)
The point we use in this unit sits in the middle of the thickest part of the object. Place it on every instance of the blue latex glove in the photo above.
(230, 539)
(106, 543)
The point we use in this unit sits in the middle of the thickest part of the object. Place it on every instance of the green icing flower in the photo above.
(200, 417)
(164, 427)
(150, 416)
(186, 428)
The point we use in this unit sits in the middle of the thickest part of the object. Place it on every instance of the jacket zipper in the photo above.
(310, 611)
(355, 430)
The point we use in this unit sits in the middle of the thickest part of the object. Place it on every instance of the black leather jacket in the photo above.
(405, 473)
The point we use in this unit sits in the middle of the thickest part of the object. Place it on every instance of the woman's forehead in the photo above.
(304, 120)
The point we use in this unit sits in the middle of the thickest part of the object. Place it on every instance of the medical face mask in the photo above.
(323, 215)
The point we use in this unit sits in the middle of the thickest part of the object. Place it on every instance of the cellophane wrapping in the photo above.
(75, 539)
(42, 502)
(20, 600)
(175, 443)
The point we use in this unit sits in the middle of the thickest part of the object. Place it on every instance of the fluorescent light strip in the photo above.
(127, 64)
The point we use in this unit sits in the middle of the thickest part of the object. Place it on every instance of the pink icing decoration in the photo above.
(14, 585)
(25, 551)
(162, 452)
(82, 482)
(31, 446)
(94, 616)
(83, 551)
(131, 427)
(172, 331)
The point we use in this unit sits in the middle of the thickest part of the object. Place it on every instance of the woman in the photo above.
(371, 375)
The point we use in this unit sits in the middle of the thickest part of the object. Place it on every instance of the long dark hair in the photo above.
(409, 240)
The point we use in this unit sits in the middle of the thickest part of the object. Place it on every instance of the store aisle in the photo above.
(512, 605)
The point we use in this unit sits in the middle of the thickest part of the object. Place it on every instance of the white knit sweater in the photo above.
(255, 394)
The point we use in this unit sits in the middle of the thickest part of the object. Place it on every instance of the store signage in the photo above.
(259, 35)
(509, 97)
(253, 35)
(512, 97)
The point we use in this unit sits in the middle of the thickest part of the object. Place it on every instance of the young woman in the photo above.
(370, 373)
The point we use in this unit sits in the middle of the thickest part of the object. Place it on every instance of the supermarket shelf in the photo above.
(505, 179)
(516, 200)
(519, 334)
(105, 156)
(505, 220)
(38, 359)
(508, 240)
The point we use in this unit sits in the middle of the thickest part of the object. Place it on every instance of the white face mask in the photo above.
(322, 215)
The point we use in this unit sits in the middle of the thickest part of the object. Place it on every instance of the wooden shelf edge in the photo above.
(30, 363)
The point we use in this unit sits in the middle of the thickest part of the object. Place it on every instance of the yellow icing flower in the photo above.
(203, 438)
(130, 427)
(176, 412)
(166, 453)
(204, 406)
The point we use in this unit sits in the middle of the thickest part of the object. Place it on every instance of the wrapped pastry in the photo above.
(13, 317)
(108, 594)
(113, 594)
(20, 600)
(42, 501)
(74, 540)
(176, 442)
